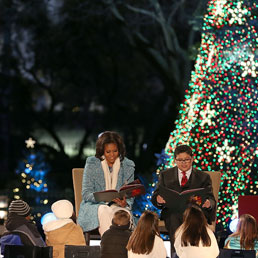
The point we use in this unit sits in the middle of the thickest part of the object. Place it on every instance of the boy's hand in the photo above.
(160, 199)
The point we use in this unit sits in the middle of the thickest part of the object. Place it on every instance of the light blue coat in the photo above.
(94, 181)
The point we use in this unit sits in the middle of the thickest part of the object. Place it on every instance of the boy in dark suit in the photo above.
(180, 178)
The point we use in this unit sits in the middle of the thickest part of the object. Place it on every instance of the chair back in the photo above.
(215, 180)
(21, 251)
(231, 253)
(77, 174)
(72, 251)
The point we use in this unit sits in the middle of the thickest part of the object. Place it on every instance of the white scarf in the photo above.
(111, 178)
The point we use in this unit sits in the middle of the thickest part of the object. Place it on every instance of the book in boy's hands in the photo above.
(129, 190)
(178, 200)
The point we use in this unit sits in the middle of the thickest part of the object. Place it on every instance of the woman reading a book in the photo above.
(108, 169)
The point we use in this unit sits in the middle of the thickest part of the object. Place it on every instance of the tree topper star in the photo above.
(30, 143)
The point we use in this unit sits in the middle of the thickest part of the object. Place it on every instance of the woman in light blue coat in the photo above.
(109, 169)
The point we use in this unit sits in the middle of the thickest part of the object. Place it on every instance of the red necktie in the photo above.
(184, 178)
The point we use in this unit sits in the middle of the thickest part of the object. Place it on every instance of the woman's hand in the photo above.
(122, 203)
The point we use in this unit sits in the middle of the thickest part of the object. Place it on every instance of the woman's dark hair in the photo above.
(107, 138)
(183, 148)
(142, 238)
(247, 231)
(195, 227)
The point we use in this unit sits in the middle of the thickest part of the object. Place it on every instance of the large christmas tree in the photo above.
(219, 115)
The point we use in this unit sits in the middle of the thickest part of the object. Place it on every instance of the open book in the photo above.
(132, 189)
(178, 201)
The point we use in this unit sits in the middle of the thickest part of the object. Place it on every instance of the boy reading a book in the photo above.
(180, 178)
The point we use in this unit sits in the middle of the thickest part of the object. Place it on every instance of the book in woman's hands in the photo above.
(178, 200)
(132, 189)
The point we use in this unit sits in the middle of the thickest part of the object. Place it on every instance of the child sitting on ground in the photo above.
(20, 230)
(246, 235)
(114, 240)
(145, 240)
(62, 231)
(193, 239)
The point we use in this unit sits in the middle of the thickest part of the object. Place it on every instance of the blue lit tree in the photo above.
(143, 202)
(32, 170)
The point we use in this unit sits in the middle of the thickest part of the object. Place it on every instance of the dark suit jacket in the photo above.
(198, 179)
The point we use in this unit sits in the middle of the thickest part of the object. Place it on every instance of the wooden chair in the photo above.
(77, 174)
(215, 180)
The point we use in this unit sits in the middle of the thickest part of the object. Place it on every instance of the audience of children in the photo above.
(246, 235)
(20, 230)
(145, 240)
(114, 240)
(62, 231)
(193, 239)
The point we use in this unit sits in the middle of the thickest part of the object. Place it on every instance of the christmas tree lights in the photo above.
(32, 171)
(219, 115)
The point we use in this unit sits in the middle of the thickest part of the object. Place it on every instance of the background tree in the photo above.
(79, 65)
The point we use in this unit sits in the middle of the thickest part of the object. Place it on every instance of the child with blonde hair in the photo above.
(62, 231)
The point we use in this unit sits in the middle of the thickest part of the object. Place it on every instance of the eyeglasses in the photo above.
(183, 160)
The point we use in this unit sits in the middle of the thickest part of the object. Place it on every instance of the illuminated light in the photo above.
(233, 225)
(17, 197)
(45, 201)
(16, 190)
(30, 143)
(48, 217)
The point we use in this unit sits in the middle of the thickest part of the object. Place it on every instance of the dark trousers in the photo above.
(172, 222)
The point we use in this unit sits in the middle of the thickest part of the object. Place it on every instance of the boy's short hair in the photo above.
(121, 218)
(183, 148)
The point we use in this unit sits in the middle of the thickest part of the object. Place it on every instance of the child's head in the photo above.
(247, 231)
(194, 215)
(183, 157)
(149, 221)
(63, 209)
(247, 223)
(194, 227)
(19, 207)
(121, 218)
(183, 149)
(142, 238)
